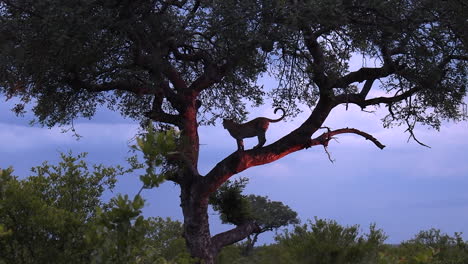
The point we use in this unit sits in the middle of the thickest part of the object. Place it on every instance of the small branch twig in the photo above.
(328, 154)
(410, 130)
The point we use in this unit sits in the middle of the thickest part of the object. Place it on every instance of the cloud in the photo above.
(15, 138)
(19, 138)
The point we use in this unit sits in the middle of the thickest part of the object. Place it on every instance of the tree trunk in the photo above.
(250, 245)
(196, 226)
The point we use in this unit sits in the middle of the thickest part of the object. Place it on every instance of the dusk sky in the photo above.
(403, 188)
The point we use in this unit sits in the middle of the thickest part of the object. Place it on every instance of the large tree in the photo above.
(185, 63)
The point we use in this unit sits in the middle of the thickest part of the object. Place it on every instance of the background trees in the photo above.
(236, 208)
(58, 215)
(48, 227)
(172, 61)
(47, 215)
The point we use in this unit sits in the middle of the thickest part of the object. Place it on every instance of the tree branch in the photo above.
(212, 74)
(157, 114)
(310, 40)
(160, 116)
(234, 235)
(364, 74)
(360, 100)
(165, 91)
(174, 77)
(241, 160)
(326, 137)
(366, 88)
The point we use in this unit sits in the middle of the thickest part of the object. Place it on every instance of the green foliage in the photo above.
(57, 215)
(429, 247)
(234, 208)
(156, 147)
(164, 239)
(322, 241)
(64, 53)
(47, 214)
(271, 215)
(325, 241)
(122, 235)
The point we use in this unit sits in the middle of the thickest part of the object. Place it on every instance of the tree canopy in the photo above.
(67, 55)
(185, 63)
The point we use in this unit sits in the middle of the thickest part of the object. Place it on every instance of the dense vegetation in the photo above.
(54, 216)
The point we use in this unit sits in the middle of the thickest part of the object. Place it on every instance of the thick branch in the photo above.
(174, 77)
(294, 141)
(370, 74)
(364, 74)
(240, 161)
(165, 91)
(234, 235)
(310, 40)
(210, 76)
(157, 114)
(165, 118)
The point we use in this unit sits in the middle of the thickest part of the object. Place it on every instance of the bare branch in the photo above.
(326, 137)
(328, 154)
(410, 130)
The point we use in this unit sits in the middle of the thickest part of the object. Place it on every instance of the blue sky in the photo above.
(404, 188)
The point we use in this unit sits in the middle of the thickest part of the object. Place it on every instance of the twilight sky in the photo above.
(404, 188)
